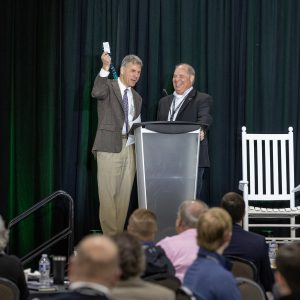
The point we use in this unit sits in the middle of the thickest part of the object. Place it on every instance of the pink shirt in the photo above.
(181, 249)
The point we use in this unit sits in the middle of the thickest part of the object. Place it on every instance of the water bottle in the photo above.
(273, 248)
(44, 268)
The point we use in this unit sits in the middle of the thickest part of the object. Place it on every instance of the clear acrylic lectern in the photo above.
(167, 168)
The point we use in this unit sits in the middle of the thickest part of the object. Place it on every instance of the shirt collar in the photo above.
(214, 256)
(184, 94)
(95, 286)
(122, 86)
(190, 231)
(148, 244)
(236, 225)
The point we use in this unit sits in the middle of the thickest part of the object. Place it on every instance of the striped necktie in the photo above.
(125, 108)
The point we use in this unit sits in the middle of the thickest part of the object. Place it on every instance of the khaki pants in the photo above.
(115, 177)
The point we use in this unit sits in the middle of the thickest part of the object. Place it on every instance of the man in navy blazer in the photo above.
(187, 104)
(245, 244)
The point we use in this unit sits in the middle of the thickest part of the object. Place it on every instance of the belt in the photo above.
(125, 136)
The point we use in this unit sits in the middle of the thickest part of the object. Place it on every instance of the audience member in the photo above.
(10, 265)
(182, 248)
(93, 271)
(132, 262)
(287, 275)
(143, 225)
(245, 244)
(208, 277)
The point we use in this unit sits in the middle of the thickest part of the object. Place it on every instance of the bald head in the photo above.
(97, 260)
(188, 214)
(183, 78)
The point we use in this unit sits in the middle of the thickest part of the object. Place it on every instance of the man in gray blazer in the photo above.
(118, 106)
(187, 104)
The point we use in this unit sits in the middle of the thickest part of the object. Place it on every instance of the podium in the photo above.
(167, 168)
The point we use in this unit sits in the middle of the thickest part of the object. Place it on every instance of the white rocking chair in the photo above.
(268, 175)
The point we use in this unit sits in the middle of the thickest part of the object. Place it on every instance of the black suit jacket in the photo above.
(253, 247)
(11, 269)
(195, 108)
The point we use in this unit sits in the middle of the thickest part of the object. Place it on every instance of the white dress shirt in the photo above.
(177, 103)
(131, 109)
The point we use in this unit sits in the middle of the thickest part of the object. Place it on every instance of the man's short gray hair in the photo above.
(190, 69)
(3, 235)
(131, 58)
(190, 210)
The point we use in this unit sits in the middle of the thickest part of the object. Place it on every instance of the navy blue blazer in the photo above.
(253, 247)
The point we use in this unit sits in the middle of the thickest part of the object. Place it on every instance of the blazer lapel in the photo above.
(170, 100)
(117, 91)
(167, 106)
(137, 103)
(186, 101)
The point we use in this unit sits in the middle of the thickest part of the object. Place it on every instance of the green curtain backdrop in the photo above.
(246, 55)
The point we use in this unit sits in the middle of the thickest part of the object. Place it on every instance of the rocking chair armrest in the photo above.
(242, 184)
(296, 189)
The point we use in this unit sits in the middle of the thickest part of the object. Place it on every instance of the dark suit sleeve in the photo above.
(163, 110)
(203, 115)
(158, 116)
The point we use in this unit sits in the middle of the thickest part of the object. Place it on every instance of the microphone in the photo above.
(165, 93)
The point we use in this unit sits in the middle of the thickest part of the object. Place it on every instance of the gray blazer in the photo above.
(134, 288)
(110, 114)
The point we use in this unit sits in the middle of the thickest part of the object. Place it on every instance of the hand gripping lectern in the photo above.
(167, 168)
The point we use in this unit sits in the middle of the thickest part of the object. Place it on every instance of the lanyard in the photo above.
(174, 109)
